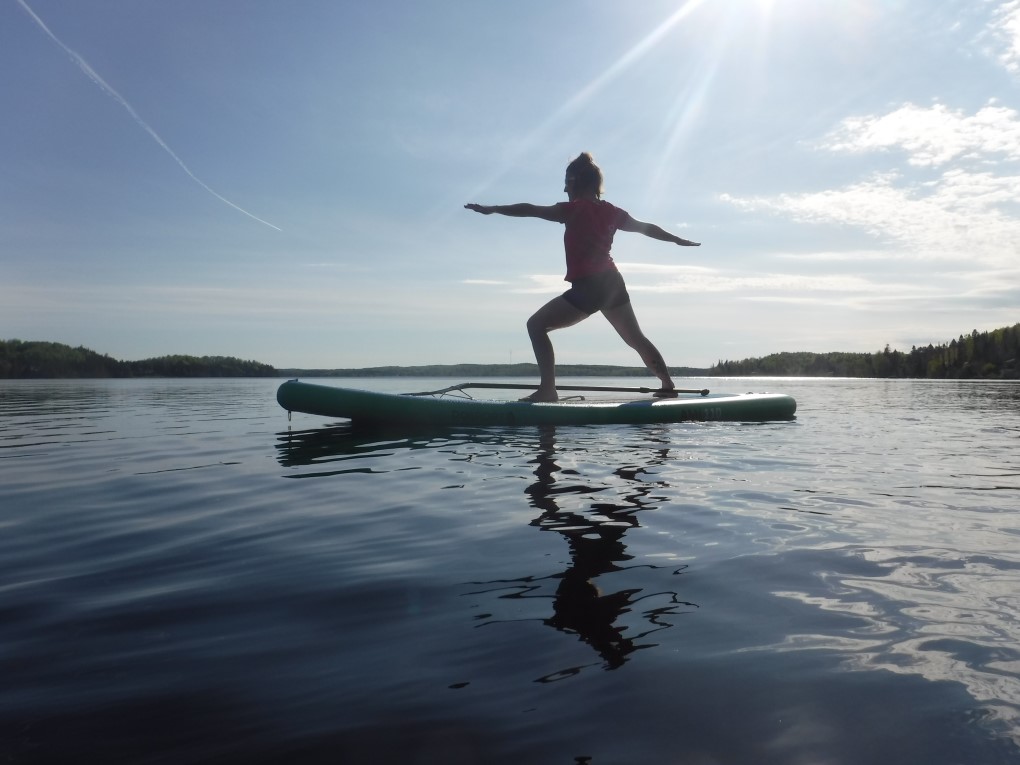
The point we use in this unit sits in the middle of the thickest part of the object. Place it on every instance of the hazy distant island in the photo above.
(979, 355)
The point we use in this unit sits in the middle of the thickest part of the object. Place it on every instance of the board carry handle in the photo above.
(527, 386)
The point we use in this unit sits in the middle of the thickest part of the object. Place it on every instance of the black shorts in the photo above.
(598, 293)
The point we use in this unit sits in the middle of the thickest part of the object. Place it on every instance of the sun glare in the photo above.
(595, 86)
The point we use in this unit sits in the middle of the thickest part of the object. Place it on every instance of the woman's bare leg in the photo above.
(556, 314)
(626, 325)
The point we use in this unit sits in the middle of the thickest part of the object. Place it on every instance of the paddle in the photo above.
(525, 386)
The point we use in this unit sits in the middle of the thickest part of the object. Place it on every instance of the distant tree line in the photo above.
(24, 360)
(979, 355)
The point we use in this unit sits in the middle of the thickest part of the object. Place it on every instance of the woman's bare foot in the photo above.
(543, 396)
(668, 390)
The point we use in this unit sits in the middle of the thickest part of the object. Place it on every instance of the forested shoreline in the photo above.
(28, 360)
(980, 355)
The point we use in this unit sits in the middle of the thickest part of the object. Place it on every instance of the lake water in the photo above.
(186, 577)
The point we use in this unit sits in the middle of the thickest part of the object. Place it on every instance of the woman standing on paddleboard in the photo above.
(596, 284)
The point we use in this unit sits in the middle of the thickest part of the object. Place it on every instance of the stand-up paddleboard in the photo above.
(452, 406)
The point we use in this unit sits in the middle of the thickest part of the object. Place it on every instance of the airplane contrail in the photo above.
(109, 90)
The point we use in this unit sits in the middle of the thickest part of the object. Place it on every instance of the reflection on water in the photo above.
(338, 446)
(595, 538)
(879, 538)
(186, 579)
(930, 613)
(594, 533)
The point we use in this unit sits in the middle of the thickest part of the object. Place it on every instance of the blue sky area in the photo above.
(285, 181)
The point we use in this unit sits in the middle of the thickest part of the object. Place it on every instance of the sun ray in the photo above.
(575, 103)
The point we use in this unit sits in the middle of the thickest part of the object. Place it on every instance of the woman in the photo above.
(596, 284)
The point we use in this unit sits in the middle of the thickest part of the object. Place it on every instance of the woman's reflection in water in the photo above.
(595, 539)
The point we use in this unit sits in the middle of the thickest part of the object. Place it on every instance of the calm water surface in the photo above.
(186, 577)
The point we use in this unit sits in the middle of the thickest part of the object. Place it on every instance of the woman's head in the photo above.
(583, 177)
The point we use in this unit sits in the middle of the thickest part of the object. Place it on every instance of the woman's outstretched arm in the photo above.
(655, 232)
(520, 210)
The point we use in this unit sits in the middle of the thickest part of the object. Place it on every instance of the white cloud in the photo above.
(1006, 27)
(253, 305)
(834, 256)
(967, 211)
(543, 284)
(690, 280)
(170, 301)
(687, 279)
(758, 283)
(932, 136)
(962, 215)
(662, 269)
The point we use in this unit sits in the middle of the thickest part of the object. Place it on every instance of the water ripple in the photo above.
(173, 552)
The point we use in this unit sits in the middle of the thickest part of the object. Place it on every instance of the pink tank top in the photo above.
(588, 237)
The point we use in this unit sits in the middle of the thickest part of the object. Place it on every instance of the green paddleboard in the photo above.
(451, 407)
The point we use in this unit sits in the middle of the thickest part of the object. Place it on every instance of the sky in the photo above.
(285, 181)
